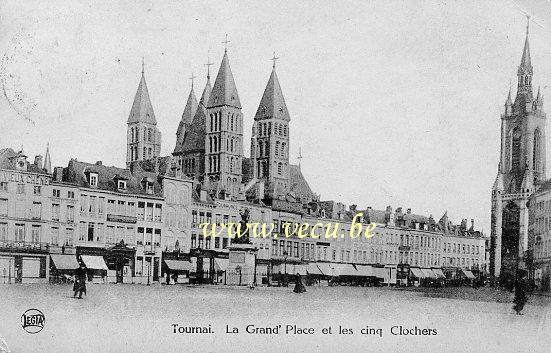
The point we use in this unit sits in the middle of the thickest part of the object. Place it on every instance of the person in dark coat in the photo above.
(299, 285)
(80, 281)
(520, 291)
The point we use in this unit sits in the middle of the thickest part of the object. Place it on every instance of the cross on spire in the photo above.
(192, 77)
(527, 23)
(143, 64)
(274, 58)
(208, 65)
(299, 157)
(226, 44)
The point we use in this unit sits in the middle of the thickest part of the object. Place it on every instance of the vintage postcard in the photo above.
(275, 176)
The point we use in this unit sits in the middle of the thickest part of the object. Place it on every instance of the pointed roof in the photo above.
(142, 110)
(195, 137)
(272, 104)
(47, 160)
(224, 91)
(189, 111)
(509, 101)
(525, 61)
(206, 93)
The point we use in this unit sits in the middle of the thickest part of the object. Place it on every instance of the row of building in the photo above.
(140, 223)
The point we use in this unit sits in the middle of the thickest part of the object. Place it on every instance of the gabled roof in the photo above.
(142, 110)
(76, 172)
(224, 91)
(272, 104)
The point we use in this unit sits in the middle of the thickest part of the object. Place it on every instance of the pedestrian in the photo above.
(80, 281)
(299, 285)
(520, 291)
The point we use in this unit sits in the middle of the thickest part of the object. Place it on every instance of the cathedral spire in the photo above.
(224, 91)
(272, 104)
(525, 62)
(142, 110)
(524, 74)
(47, 160)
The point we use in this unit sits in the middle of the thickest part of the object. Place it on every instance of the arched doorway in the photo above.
(510, 235)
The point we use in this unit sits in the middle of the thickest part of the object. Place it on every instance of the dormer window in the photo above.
(149, 188)
(93, 179)
(121, 185)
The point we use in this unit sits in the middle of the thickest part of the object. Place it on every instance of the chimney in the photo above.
(353, 208)
(409, 211)
(389, 209)
(99, 163)
(399, 210)
(58, 174)
(369, 207)
(38, 161)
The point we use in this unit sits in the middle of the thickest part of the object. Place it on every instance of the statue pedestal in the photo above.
(242, 265)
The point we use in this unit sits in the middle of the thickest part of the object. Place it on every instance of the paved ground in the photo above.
(135, 318)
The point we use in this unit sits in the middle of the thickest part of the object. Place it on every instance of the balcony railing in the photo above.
(121, 218)
(23, 246)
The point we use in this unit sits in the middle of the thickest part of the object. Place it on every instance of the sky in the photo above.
(392, 103)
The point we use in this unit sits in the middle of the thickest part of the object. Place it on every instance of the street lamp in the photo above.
(149, 272)
(285, 254)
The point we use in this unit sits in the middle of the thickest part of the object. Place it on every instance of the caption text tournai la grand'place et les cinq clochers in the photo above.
(146, 222)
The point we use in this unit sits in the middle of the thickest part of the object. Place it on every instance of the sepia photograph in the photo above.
(275, 176)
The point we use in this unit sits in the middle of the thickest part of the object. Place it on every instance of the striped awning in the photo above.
(313, 269)
(326, 268)
(428, 273)
(179, 265)
(365, 271)
(416, 271)
(468, 273)
(438, 272)
(64, 262)
(345, 270)
(300, 269)
(221, 265)
(94, 262)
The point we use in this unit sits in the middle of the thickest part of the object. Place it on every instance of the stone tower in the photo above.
(270, 139)
(521, 169)
(143, 138)
(184, 126)
(224, 135)
(192, 151)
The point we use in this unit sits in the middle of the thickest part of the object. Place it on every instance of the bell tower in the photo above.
(521, 169)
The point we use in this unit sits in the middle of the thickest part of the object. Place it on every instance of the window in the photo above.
(224, 243)
(20, 232)
(37, 190)
(194, 218)
(3, 186)
(20, 188)
(149, 213)
(130, 209)
(157, 240)
(35, 235)
(56, 193)
(207, 243)
(3, 207)
(37, 210)
(101, 205)
(93, 179)
(122, 185)
(55, 212)
(121, 207)
(141, 210)
(92, 208)
(216, 243)
(148, 236)
(158, 212)
(70, 194)
(69, 237)
(55, 236)
(3, 231)
(194, 241)
(139, 240)
(90, 231)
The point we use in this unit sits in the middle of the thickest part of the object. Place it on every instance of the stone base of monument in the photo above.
(241, 267)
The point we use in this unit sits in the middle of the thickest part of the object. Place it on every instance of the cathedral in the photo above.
(209, 142)
(521, 172)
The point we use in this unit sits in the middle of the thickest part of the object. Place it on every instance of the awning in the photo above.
(439, 273)
(326, 268)
(468, 273)
(65, 262)
(94, 262)
(179, 265)
(300, 269)
(428, 273)
(417, 272)
(365, 271)
(380, 272)
(345, 270)
(221, 265)
(313, 269)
